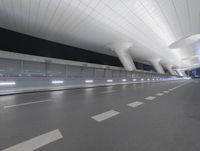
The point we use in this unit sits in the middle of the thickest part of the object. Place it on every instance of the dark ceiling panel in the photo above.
(21, 43)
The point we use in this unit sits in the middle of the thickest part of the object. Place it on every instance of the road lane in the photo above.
(71, 112)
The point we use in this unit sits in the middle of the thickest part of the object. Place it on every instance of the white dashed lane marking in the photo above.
(159, 94)
(37, 142)
(165, 91)
(150, 98)
(135, 104)
(106, 115)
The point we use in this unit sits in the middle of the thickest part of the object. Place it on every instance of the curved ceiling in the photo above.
(150, 25)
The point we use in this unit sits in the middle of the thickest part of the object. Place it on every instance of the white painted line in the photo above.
(165, 91)
(28, 103)
(159, 94)
(36, 142)
(111, 91)
(150, 98)
(105, 115)
(178, 86)
(135, 104)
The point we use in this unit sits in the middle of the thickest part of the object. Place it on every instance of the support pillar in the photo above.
(181, 73)
(157, 66)
(122, 51)
(126, 59)
(171, 71)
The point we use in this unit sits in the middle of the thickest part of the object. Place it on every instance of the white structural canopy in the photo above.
(154, 29)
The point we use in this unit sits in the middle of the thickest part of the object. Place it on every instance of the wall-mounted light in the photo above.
(134, 79)
(124, 80)
(109, 80)
(57, 82)
(7, 83)
(89, 81)
(142, 79)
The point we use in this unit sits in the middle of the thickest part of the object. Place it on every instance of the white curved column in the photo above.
(126, 60)
(171, 71)
(157, 66)
(181, 73)
(122, 51)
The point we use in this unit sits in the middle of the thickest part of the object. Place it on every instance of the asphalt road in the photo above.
(163, 116)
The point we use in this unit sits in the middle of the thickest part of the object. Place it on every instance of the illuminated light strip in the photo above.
(7, 83)
(109, 80)
(57, 82)
(89, 81)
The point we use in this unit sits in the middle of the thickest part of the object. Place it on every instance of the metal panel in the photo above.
(108, 73)
(87, 72)
(99, 73)
(74, 72)
(9, 67)
(55, 70)
(116, 73)
(123, 74)
(34, 68)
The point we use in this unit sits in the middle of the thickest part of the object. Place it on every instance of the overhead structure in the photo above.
(158, 67)
(152, 27)
(181, 73)
(171, 71)
(123, 52)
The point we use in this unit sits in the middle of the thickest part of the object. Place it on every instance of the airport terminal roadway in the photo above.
(163, 116)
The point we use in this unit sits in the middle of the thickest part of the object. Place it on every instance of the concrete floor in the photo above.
(169, 121)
